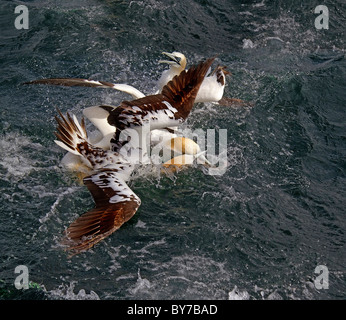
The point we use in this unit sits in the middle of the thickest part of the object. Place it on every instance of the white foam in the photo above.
(191, 272)
(258, 4)
(153, 5)
(67, 293)
(15, 157)
(248, 44)
(237, 294)
(145, 250)
(141, 285)
(61, 196)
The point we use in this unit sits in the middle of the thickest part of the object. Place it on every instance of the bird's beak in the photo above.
(201, 158)
(173, 58)
(226, 72)
(223, 68)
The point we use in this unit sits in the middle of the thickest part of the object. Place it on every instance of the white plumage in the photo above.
(177, 64)
(115, 202)
(212, 87)
(211, 90)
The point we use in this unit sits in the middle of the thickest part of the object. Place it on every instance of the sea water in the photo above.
(259, 230)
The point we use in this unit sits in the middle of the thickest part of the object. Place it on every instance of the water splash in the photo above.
(16, 161)
(66, 292)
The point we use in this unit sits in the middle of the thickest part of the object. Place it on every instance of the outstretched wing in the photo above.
(115, 203)
(77, 82)
(182, 90)
(168, 109)
(179, 93)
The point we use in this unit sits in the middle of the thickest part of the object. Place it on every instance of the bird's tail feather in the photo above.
(70, 133)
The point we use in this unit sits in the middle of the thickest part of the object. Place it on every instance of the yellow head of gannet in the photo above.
(177, 62)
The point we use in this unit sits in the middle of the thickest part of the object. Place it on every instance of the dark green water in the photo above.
(259, 230)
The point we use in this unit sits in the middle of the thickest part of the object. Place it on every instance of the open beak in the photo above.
(201, 158)
(173, 59)
(223, 68)
(226, 72)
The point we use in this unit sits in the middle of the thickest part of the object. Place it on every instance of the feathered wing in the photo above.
(70, 133)
(168, 109)
(73, 138)
(98, 117)
(115, 203)
(182, 90)
(78, 82)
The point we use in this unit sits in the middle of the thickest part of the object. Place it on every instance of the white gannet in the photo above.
(115, 202)
(212, 88)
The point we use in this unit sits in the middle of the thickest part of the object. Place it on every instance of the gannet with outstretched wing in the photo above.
(212, 88)
(213, 85)
(115, 202)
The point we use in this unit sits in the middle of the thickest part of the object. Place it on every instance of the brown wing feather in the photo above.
(67, 130)
(180, 93)
(115, 204)
(182, 90)
(72, 82)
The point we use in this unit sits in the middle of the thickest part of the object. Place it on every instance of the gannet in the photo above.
(177, 64)
(166, 142)
(115, 202)
(213, 85)
(212, 88)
